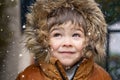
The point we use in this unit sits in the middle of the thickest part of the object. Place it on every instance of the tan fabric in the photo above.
(88, 70)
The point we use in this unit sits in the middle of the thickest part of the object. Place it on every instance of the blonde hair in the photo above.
(47, 13)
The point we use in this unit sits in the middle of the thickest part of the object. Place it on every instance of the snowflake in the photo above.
(12, 0)
(20, 55)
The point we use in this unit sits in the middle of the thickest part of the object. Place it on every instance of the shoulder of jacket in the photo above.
(31, 68)
(31, 71)
(101, 72)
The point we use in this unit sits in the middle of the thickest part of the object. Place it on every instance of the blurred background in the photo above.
(14, 57)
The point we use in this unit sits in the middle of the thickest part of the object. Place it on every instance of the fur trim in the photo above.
(36, 31)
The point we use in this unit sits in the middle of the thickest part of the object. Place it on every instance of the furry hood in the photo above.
(36, 31)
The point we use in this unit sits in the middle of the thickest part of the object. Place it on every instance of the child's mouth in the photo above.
(67, 52)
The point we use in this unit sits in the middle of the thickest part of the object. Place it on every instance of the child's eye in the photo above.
(76, 35)
(57, 35)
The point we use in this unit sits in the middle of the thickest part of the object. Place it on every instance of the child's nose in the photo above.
(67, 42)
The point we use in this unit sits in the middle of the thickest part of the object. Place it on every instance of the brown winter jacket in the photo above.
(88, 70)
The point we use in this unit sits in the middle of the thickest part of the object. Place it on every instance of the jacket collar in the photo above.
(54, 69)
(85, 68)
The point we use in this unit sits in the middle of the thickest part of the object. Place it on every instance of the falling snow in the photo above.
(11, 51)
(13, 42)
(23, 76)
(20, 55)
(12, 0)
(89, 33)
(0, 4)
(1, 30)
(23, 26)
(11, 58)
(8, 16)
(7, 51)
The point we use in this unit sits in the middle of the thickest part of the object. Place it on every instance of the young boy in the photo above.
(66, 36)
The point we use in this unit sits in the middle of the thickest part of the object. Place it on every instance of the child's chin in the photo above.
(67, 63)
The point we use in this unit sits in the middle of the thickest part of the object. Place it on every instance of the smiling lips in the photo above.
(66, 52)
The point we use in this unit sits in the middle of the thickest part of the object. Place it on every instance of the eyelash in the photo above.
(57, 35)
(76, 35)
(73, 35)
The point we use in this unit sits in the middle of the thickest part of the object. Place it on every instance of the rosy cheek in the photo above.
(76, 56)
(54, 47)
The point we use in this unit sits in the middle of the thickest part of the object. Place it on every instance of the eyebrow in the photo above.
(55, 28)
(61, 28)
(78, 29)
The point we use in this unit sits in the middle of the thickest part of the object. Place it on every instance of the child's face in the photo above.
(67, 42)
